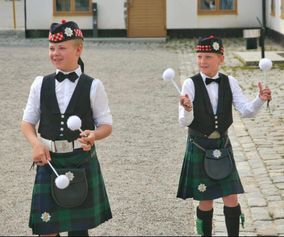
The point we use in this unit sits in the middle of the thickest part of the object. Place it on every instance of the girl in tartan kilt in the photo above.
(52, 100)
(206, 109)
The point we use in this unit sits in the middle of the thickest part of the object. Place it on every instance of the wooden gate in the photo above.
(146, 18)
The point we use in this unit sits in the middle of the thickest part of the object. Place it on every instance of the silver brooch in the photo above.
(70, 175)
(201, 188)
(216, 46)
(45, 217)
(68, 31)
(217, 153)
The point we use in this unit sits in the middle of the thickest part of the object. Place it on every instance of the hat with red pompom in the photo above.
(210, 44)
(67, 30)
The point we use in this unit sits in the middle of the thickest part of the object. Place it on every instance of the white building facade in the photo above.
(144, 18)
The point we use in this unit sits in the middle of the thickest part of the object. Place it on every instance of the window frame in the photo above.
(217, 11)
(72, 11)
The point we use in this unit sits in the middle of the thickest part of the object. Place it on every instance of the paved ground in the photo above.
(141, 161)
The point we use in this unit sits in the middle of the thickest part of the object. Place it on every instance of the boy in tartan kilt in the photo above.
(52, 100)
(206, 109)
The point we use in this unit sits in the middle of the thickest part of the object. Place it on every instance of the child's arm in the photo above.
(88, 137)
(186, 106)
(40, 153)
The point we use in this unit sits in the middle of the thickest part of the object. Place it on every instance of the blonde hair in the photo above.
(78, 42)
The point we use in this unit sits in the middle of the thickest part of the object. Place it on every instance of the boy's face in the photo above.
(65, 55)
(209, 63)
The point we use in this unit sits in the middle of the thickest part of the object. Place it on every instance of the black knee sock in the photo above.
(232, 219)
(204, 222)
(78, 233)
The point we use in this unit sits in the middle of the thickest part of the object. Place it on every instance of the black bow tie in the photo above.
(209, 80)
(72, 76)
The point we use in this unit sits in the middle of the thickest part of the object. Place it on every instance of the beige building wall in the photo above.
(9, 20)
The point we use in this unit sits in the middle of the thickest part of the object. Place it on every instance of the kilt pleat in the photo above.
(47, 217)
(194, 182)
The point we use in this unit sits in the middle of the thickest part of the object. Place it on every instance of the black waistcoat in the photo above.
(52, 124)
(205, 121)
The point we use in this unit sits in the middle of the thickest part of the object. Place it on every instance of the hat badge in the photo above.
(68, 31)
(216, 46)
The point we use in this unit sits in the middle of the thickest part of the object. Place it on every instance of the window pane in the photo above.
(208, 5)
(82, 5)
(62, 5)
(227, 4)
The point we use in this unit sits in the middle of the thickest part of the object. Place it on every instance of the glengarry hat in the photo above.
(210, 44)
(67, 30)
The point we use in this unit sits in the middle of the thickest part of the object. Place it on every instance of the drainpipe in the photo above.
(14, 14)
(25, 17)
(263, 28)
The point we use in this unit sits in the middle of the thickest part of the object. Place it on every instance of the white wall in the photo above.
(110, 14)
(183, 14)
(40, 16)
(275, 23)
(7, 17)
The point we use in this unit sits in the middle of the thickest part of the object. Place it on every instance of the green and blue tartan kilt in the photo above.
(47, 217)
(194, 183)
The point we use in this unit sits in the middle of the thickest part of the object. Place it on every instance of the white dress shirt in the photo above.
(64, 91)
(240, 102)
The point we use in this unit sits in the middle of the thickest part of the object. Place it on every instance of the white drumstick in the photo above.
(265, 64)
(168, 75)
(74, 123)
(61, 181)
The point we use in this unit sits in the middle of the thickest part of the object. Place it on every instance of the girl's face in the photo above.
(65, 55)
(209, 63)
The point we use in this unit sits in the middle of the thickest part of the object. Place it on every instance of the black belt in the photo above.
(214, 135)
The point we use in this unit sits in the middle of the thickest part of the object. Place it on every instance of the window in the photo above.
(72, 7)
(217, 7)
(272, 7)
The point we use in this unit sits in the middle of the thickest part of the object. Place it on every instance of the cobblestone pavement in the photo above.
(141, 160)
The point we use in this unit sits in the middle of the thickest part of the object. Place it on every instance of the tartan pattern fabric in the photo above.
(194, 183)
(78, 33)
(56, 37)
(47, 217)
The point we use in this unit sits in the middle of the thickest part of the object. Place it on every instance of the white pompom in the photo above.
(168, 74)
(265, 64)
(62, 182)
(74, 123)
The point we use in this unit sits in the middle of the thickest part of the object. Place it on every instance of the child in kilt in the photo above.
(52, 100)
(206, 109)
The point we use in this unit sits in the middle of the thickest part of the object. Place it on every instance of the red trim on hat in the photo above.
(78, 33)
(56, 37)
(63, 21)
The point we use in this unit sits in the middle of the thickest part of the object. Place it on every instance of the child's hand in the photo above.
(87, 139)
(264, 93)
(186, 103)
(40, 154)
